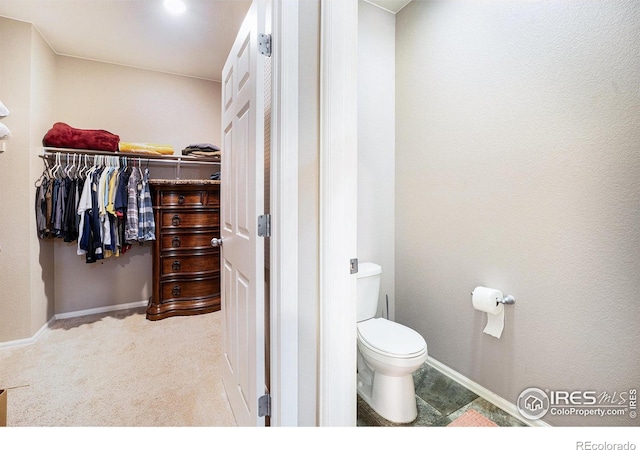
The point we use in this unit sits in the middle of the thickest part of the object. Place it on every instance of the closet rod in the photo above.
(177, 160)
(50, 151)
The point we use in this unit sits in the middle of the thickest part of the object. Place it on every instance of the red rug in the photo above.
(472, 418)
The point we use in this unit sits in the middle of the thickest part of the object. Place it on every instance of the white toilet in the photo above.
(388, 354)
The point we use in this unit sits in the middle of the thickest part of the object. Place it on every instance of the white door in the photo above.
(242, 193)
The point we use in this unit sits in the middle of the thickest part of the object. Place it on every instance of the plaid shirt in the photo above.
(131, 227)
(146, 223)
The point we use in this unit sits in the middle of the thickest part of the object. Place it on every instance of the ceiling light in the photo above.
(175, 6)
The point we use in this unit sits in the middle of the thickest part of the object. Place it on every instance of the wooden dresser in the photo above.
(186, 268)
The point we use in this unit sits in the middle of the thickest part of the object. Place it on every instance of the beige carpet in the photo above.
(119, 369)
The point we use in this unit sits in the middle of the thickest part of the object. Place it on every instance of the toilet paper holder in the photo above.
(508, 300)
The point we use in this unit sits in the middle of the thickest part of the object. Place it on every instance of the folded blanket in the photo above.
(62, 135)
(206, 154)
(142, 151)
(200, 148)
(153, 149)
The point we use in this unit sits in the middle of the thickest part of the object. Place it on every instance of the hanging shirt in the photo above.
(69, 230)
(101, 196)
(135, 183)
(146, 222)
(120, 204)
(41, 208)
(83, 211)
(48, 196)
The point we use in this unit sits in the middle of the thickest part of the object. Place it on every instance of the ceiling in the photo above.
(137, 33)
(390, 5)
(141, 33)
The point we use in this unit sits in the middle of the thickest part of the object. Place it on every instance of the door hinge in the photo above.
(264, 405)
(264, 225)
(354, 265)
(264, 44)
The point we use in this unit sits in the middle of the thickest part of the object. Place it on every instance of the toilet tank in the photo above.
(369, 275)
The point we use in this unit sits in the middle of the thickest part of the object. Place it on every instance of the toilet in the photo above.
(388, 354)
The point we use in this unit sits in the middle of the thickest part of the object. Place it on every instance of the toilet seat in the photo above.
(390, 338)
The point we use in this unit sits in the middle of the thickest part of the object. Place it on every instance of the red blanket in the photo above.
(64, 136)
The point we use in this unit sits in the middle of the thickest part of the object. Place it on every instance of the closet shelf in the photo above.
(49, 151)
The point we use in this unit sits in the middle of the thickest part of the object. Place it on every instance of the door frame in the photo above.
(338, 212)
(336, 384)
(284, 212)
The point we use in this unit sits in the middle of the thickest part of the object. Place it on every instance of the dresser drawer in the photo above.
(197, 240)
(176, 290)
(187, 241)
(190, 265)
(189, 198)
(189, 219)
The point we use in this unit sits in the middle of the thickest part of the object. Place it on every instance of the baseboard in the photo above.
(483, 392)
(28, 341)
(104, 309)
(85, 312)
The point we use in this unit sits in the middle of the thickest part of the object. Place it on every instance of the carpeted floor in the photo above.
(119, 369)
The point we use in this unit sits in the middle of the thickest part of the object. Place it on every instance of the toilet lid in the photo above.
(390, 337)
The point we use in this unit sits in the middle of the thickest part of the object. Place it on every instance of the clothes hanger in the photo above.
(71, 170)
(68, 167)
(54, 169)
(83, 166)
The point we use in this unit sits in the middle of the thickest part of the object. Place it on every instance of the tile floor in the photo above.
(440, 401)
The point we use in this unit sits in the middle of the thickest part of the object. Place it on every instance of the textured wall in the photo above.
(376, 143)
(15, 46)
(138, 105)
(42, 104)
(518, 129)
(26, 84)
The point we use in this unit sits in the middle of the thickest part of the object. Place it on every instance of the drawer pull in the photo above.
(176, 266)
(176, 291)
(175, 221)
(181, 200)
(176, 241)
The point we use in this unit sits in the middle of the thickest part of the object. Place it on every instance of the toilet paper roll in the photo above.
(488, 300)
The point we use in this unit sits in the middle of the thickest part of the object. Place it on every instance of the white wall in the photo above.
(518, 128)
(139, 106)
(376, 145)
